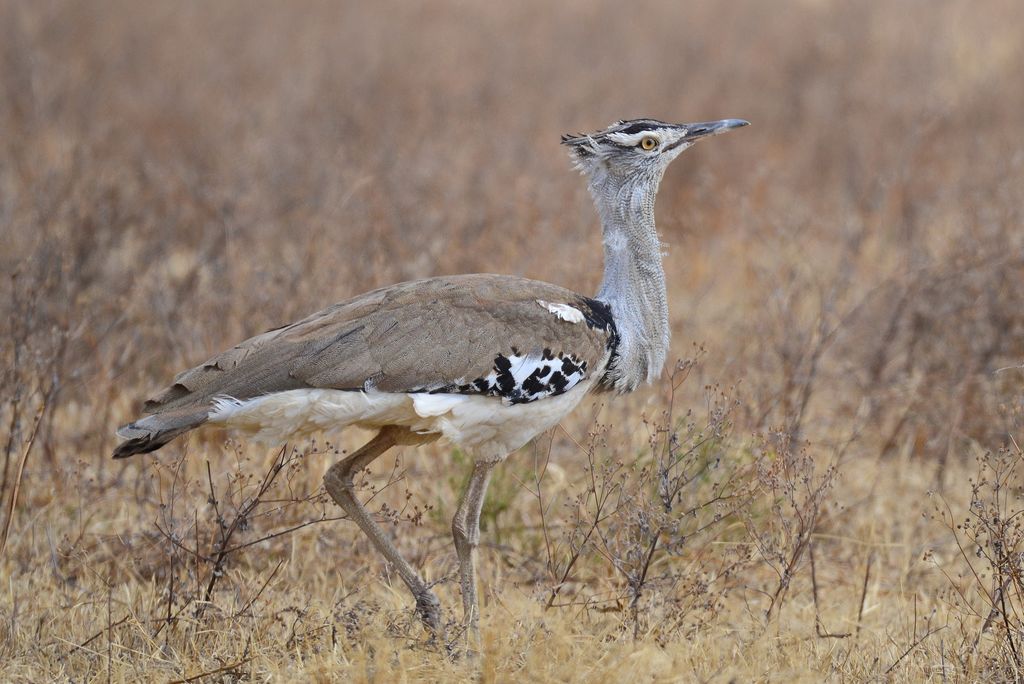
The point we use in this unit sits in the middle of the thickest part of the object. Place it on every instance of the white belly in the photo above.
(482, 425)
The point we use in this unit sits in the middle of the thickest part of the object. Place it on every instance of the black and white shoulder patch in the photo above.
(522, 378)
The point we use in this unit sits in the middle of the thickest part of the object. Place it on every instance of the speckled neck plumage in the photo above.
(634, 280)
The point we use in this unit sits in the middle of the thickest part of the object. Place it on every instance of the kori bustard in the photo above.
(485, 361)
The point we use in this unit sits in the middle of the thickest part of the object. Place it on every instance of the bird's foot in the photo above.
(428, 608)
(471, 642)
(465, 643)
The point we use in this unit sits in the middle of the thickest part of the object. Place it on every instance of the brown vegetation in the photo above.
(826, 486)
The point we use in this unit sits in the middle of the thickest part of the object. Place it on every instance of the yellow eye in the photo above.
(648, 143)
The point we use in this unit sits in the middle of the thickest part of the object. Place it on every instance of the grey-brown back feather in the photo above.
(414, 336)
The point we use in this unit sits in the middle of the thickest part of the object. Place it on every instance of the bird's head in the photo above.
(640, 147)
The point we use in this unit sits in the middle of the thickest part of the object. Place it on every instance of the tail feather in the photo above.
(152, 432)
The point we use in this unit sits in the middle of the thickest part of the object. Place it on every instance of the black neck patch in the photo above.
(596, 313)
(598, 316)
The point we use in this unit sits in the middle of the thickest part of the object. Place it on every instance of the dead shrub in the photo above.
(986, 574)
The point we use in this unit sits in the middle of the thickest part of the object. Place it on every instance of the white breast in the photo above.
(489, 428)
(484, 426)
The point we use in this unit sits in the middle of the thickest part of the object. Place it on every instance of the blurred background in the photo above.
(847, 275)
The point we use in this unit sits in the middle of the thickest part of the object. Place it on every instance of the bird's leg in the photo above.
(466, 531)
(338, 482)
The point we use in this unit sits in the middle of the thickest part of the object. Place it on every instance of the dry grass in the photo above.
(176, 177)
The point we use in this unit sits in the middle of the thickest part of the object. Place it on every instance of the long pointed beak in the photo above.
(702, 130)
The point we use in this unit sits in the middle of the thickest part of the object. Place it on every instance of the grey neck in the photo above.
(634, 280)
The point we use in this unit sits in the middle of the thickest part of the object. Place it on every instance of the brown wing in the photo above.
(417, 336)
